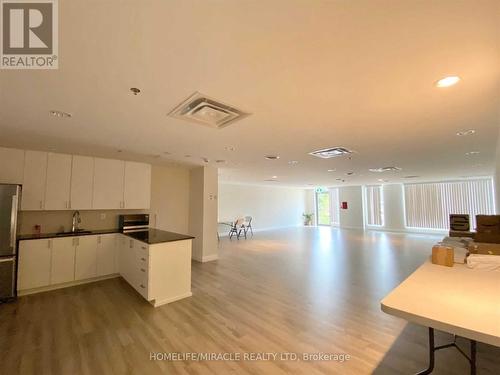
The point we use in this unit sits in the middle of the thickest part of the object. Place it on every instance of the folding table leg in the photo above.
(429, 369)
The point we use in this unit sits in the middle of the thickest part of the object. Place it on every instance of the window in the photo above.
(374, 212)
(429, 205)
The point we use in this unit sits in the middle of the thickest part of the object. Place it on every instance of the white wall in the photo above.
(393, 207)
(497, 177)
(169, 198)
(353, 216)
(203, 213)
(270, 207)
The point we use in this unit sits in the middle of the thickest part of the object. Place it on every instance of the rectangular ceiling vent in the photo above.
(201, 109)
(385, 169)
(332, 152)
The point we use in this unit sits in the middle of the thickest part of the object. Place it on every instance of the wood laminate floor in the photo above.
(298, 290)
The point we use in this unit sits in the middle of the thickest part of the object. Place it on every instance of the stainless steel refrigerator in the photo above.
(9, 206)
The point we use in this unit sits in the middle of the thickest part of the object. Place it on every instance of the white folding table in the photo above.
(458, 300)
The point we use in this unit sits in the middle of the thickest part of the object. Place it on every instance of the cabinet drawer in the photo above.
(142, 254)
(142, 288)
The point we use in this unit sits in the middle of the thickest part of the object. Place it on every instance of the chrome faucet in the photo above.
(76, 220)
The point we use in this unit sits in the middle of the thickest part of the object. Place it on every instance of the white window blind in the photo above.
(334, 193)
(429, 205)
(374, 206)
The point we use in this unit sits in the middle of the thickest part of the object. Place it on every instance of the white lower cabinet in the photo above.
(34, 264)
(55, 261)
(62, 260)
(106, 254)
(85, 257)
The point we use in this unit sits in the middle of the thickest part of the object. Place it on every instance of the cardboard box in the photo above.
(488, 224)
(442, 255)
(454, 233)
(484, 248)
(459, 222)
(487, 237)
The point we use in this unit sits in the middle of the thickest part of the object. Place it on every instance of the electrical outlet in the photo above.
(103, 216)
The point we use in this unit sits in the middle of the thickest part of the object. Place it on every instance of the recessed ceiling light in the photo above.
(272, 157)
(448, 81)
(220, 161)
(60, 114)
(205, 160)
(331, 152)
(229, 148)
(166, 153)
(466, 132)
(385, 169)
(472, 153)
(331, 170)
(382, 180)
(411, 176)
(349, 173)
(293, 162)
(119, 151)
(187, 156)
(340, 179)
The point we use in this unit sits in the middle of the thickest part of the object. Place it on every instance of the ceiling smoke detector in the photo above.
(385, 169)
(204, 110)
(331, 152)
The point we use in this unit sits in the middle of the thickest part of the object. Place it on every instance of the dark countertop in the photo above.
(155, 236)
(33, 236)
(151, 236)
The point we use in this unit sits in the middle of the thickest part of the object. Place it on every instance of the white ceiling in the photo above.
(314, 74)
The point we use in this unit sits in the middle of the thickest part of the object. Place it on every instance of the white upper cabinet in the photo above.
(82, 183)
(34, 180)
(137, 193)
(11, 165)
(58, 182)
(108, 184)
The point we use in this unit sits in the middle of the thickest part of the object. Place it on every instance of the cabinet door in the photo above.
(86, 257)
(58, 182)
(137, 185)
(108, 184)
(127, 260)
(35, 174)
(11, 165)
(34, 264)
(63, 260)
(106, 249)
(82, 181)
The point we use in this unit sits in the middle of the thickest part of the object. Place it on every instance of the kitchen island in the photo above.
(156, 263)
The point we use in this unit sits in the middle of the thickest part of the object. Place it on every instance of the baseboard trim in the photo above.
(48, 288)
(157, 303)
(209, 258)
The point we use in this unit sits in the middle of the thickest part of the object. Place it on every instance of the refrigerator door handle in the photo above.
(13, 221)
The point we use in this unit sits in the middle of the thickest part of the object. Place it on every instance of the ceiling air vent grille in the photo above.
(201, 109)
(332, 152)
(385, 169)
